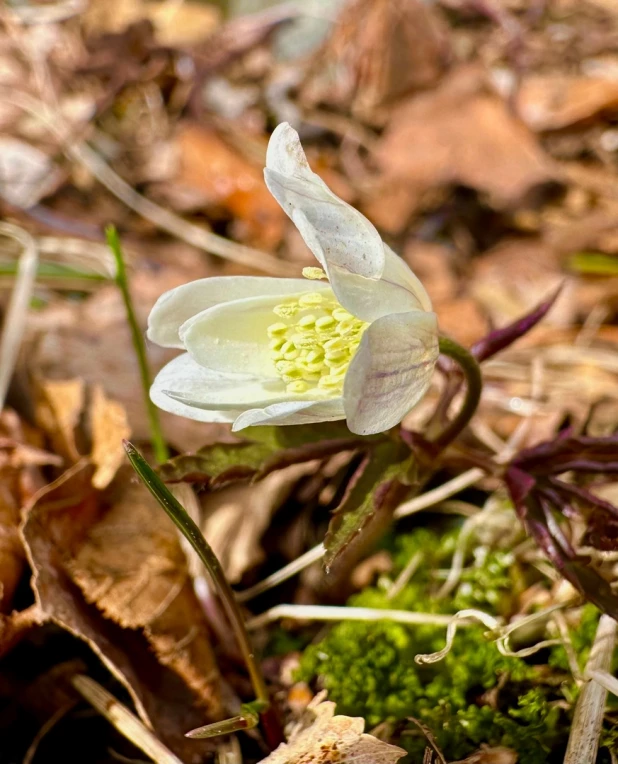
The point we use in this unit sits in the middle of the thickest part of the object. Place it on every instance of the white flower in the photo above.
(360, 346)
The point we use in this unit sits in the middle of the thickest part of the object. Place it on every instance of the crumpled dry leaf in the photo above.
(322, 737)
(61, 406)
(58, 411)
(460, 133)
(554, 101)
(98, 324)
(108, 428)
(20, 457)
(15, 626)
(106, 570)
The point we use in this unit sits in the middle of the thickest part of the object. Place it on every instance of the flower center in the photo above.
(313, 344)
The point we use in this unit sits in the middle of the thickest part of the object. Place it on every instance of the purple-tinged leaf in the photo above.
(602, 531)
(500, 339)
(519, 484)
(536, 514)
(583, 495)
(375, 490)
(566, 452)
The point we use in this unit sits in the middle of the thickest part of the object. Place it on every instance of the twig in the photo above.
(15, 319)
(123, 720)
(279, 576)
(590, 707)
(436, 495)
(406, 574)
(156, 433)
(45, 729)
(334, 613)
(158, 216)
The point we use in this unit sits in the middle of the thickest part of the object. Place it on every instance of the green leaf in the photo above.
(217, 465)
(379, 485)
(270, 448)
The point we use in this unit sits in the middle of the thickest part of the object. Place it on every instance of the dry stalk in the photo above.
(15, 319)
(123, 720)
(590, 707)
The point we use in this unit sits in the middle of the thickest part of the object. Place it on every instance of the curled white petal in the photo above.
(183, 386)
(233, 337)
(184, 374)
(292, 412)
(337, 234)
(178, 305)
(391, 371)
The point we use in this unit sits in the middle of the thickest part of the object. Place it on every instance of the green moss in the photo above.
(473, 696)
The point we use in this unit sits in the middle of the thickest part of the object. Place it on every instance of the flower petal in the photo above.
(292, 412)
(232, 337)
(397, 291)
(337, 234)
(177, 305)
(184, 387)
(184, 374)
(390, 371)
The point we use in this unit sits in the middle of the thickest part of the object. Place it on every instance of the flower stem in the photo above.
(474, 386)
(192, 533)
(156, 433)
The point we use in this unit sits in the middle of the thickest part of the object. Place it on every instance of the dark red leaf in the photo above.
(500, 339)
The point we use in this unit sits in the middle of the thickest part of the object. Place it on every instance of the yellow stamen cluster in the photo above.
(313, 343)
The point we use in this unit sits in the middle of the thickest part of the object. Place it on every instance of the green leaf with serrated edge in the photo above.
(217, 465)
(379, 485)
(265, 450)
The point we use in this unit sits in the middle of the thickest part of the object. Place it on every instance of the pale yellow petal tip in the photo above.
(314, 274)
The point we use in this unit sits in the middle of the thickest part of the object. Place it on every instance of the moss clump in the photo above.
(474, 695)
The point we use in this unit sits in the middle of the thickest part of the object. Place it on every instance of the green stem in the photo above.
(474, 386)
(156, 433)
(192, 533)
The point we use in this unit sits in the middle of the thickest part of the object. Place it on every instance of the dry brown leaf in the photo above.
(250, 507)
(461, 133)
(59, 409)
(20, 458)
(15, 626)
(228, 181)
(131, 565)
(71, 536)
(99, 326)
(513, 277)
(323, 737)
(108, 427)
(378, 52)
(554, 101)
